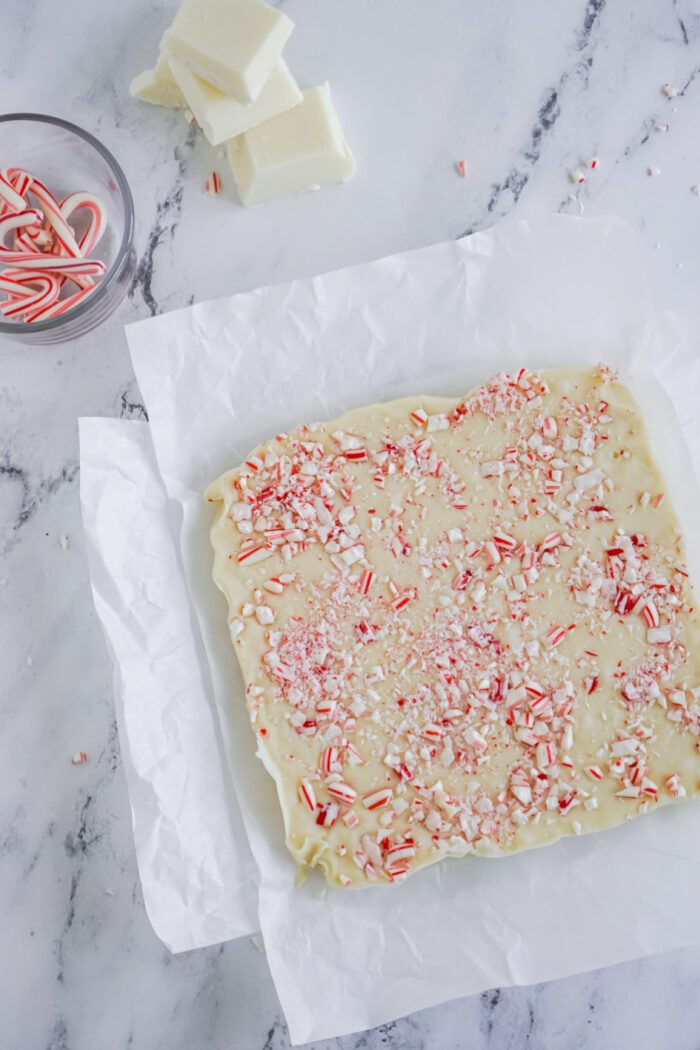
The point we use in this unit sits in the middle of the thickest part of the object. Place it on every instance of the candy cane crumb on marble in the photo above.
(213, 183)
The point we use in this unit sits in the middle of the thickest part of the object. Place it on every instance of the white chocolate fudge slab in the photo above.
(465, 626)
(158, 86)
(220, 116)
(234, 44)
(303, 149)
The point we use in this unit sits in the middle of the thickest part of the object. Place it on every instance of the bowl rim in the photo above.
(14, 328)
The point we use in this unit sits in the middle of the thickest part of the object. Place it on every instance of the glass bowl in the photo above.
(67, 160)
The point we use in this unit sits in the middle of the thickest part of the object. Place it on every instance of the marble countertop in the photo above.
(524, 93)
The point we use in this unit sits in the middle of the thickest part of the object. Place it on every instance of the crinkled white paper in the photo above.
(198, 876)
(220, 377)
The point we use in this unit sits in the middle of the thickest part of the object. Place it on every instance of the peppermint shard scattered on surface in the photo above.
(213, 183)
(465, 626)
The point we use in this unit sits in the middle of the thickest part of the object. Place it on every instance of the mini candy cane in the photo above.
(55, 263)
(18, 220)
(11, 286)
(61, 307)
(52, 212)
(46, 295)
(13, 198)
(98, 218)
(96, 227)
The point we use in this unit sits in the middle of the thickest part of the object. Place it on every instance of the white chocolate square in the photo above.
(220, 116)
(303, 149)
(158, 86)
(234, 44)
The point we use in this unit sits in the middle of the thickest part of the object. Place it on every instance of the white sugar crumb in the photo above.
(671, 92)
(258, 942)
(653, 170)
(64, 542)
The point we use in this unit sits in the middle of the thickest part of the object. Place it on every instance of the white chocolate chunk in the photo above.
(233, 44)
(158, 86)
(301, 149)
(410, 702)
(222, 117)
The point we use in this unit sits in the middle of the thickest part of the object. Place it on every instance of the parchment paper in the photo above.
(219, 377)
(198, 876)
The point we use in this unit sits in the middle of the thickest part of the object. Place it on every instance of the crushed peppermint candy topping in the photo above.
(439, 597)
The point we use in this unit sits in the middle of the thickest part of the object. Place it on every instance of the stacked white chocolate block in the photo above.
(222, 60)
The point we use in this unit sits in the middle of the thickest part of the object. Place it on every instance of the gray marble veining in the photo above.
(524, 93)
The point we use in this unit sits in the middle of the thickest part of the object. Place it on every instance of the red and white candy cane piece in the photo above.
(330, 760)
(355, 453)
(274, 585)
(52, 214)
(20, 180)
(402, 600)
(419, 416)
(307, 794)
(213, 183)
(27, 261)
(675, 786)
(402, 851)
(377, 799)
(326, 706)
(327, 815)
(342, 791)
(505, 542)
(13, 198)
(365, 581)
(17, 221)
(353, 755)
(11, 286)
(60, 307)
(92, 234)
(554, 637)
(545, 755)
(46, 292)
(251, 555)
(98, 218)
